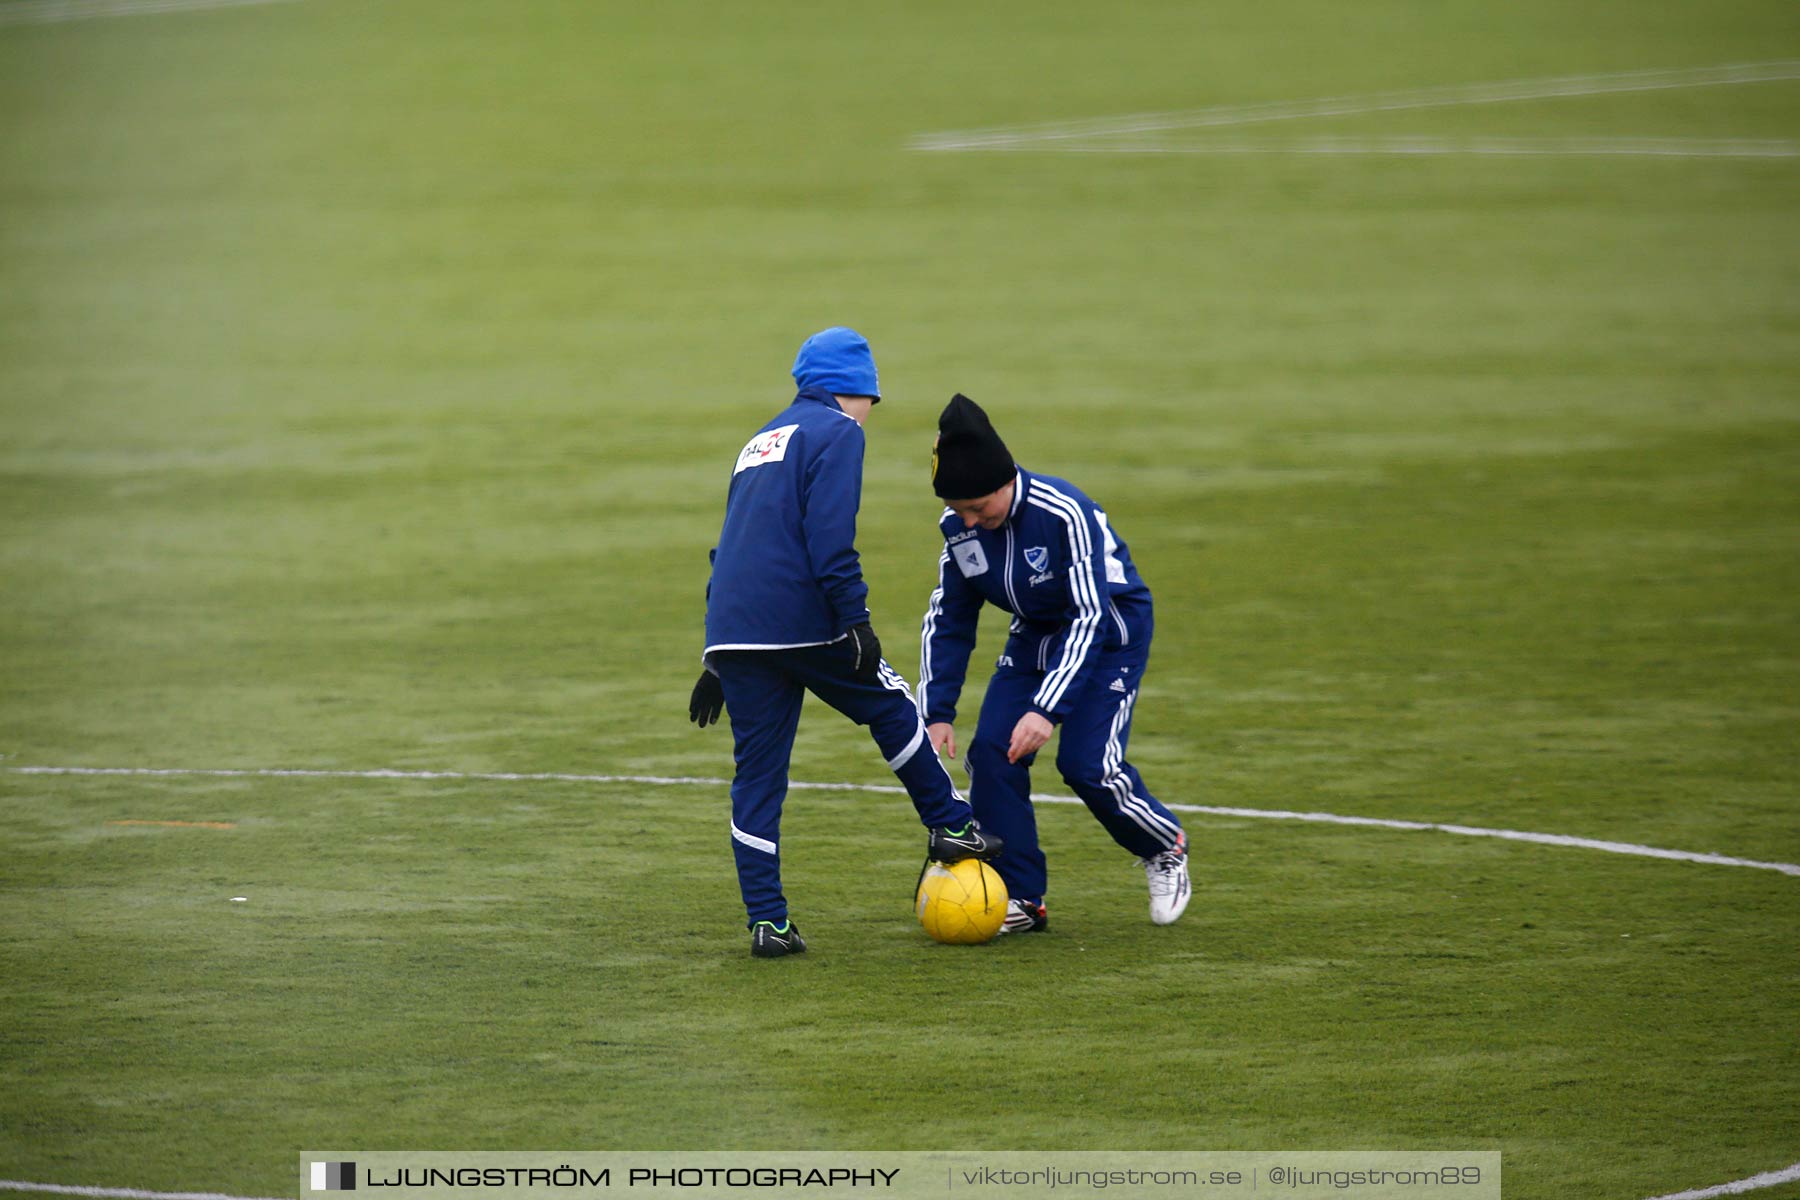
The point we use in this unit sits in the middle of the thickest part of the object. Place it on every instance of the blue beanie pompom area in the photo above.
(839, 360)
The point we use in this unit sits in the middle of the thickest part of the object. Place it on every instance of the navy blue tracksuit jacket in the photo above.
(786, 572)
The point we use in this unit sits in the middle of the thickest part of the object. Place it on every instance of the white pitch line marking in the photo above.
(1420, 145)
(15, 1185)
(1012, 136)
(1739, 1186)
(50, 12)
(1514, 835)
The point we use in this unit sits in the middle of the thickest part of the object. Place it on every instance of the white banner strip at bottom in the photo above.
(906, 1175)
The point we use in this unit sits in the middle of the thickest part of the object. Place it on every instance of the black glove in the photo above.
(708, 700)
(867, 648)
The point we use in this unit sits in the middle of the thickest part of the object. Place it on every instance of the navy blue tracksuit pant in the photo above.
(763, 693)
(1090, 755)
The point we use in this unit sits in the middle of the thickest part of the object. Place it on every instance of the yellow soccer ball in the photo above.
(962, 903)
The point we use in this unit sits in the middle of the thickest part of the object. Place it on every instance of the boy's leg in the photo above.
(1091, 757)
(885, 705)
(1001, 791)
(763, 702)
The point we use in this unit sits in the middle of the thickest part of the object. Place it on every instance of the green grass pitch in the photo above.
(369, 376)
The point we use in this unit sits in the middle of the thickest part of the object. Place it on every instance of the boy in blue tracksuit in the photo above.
(1038, 548)
(787, 612)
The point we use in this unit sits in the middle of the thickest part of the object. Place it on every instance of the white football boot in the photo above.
(1170, 889)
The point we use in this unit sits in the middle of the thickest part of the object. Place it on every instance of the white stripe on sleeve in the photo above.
(1082, 590)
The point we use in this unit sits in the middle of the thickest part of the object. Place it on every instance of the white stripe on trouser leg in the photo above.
(1113, 780)
(755, 843)
(905, 756)
(1164, 829)
(1130, 803)
(892, 680)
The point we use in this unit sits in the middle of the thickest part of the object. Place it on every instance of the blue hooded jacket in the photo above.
(786, 572)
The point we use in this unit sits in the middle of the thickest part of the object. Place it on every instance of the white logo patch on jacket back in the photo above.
(970, 559)
(765, 448)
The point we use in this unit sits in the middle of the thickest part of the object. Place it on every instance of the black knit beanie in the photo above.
(969, 460)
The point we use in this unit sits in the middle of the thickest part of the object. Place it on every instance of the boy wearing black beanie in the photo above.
(1040, 549)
